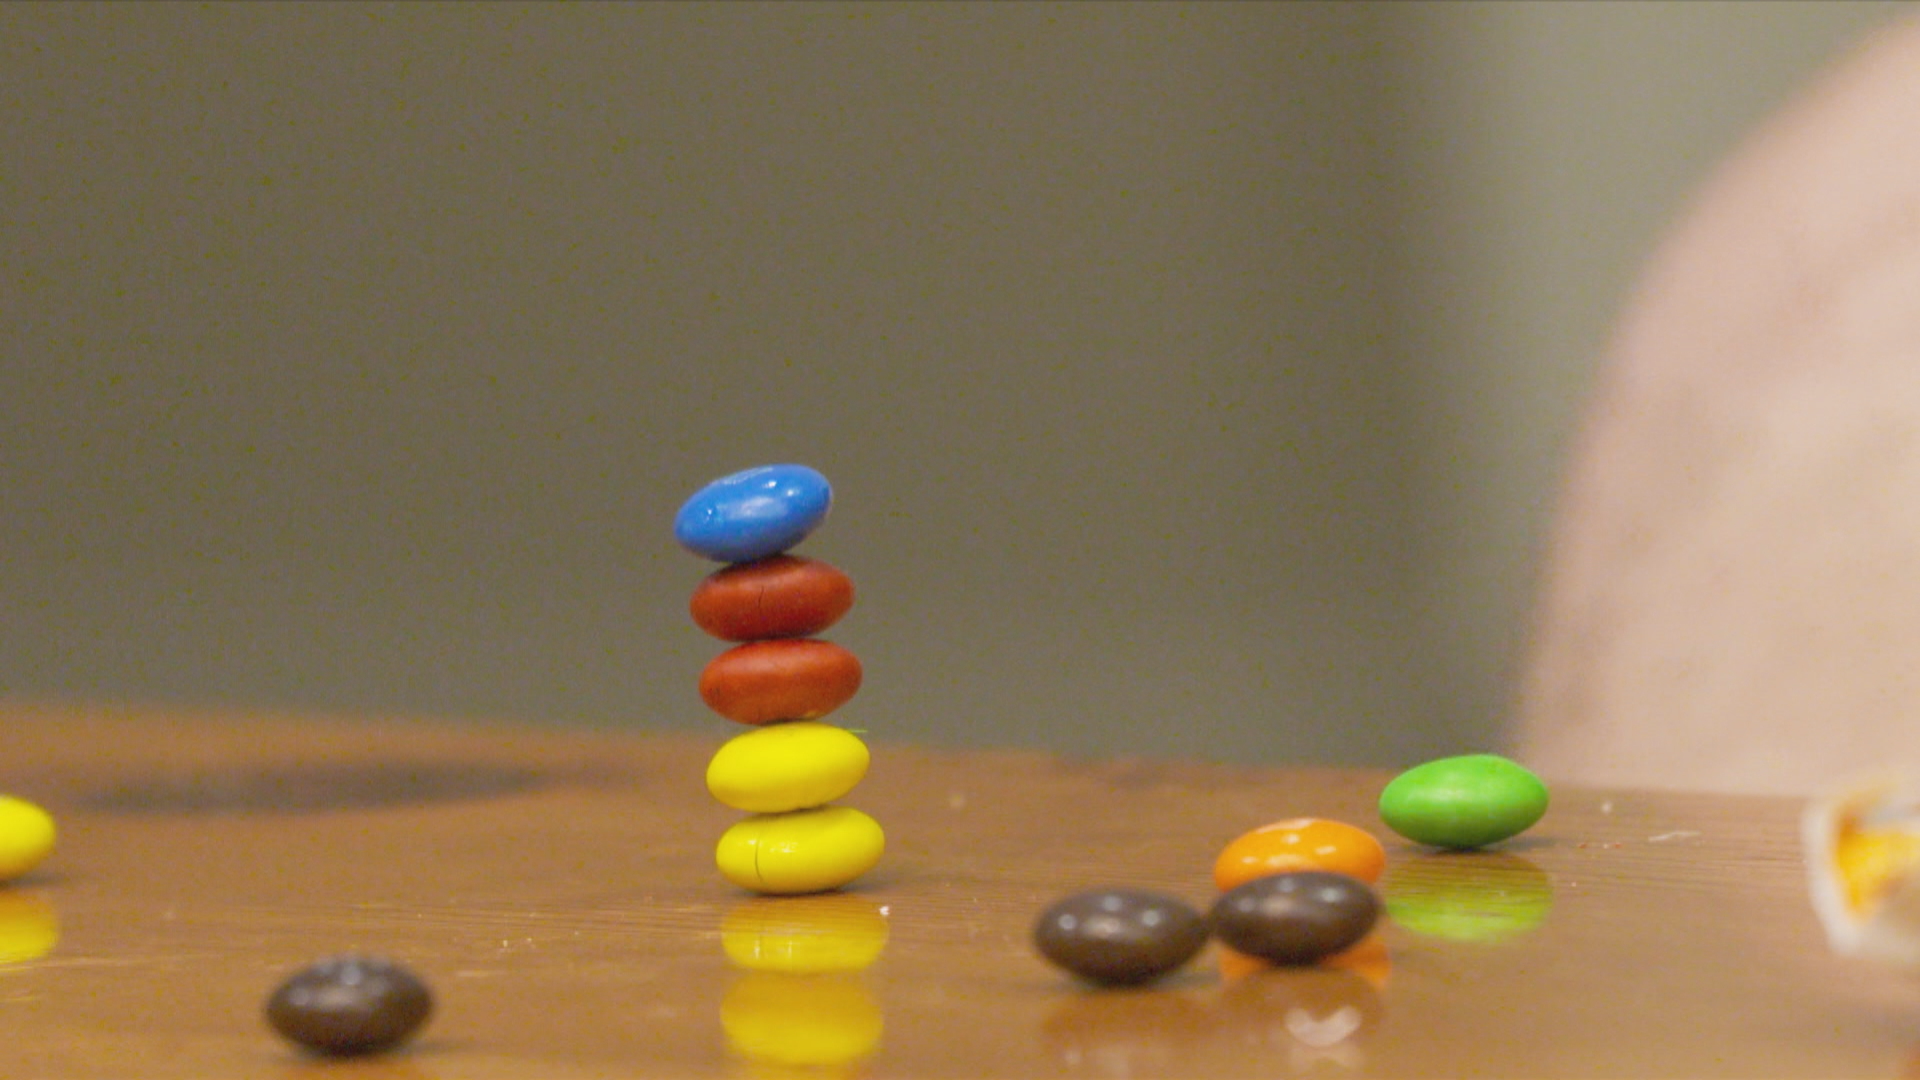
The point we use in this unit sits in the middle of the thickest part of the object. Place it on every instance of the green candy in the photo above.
(1468, 801)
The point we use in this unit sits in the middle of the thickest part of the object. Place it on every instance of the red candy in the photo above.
(783, 679)
(784, 596)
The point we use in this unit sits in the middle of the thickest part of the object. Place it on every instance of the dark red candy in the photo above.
(1120, 936)
(350, 1005)
(784, 679)
(1295, 918)
(779, 597)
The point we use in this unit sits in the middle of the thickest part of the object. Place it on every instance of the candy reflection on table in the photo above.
(802, 1000)
(1305, 1016)
(804, 934)
(1368, 958)
(29, 925)
(1130, 1032)
(1311, 1015)
(1485, 898)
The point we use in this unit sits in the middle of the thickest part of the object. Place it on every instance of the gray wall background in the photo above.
(1193, 378)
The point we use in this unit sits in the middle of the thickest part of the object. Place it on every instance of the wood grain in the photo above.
(557, 891)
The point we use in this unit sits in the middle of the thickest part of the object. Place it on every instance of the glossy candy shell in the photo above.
(1120, 936)
(1468, 801)
(350, 1005)
(785, 679)
(753, 514)
(1862, 847)
(788, 766)
(1300, 844)
(779, 597)
(26, 836)
(801, 852)
(1295, 918)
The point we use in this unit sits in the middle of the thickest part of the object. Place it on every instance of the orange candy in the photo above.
(784, 596)
(1300, 844)
(763, 682)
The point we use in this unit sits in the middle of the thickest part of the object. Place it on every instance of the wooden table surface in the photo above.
(557, 891)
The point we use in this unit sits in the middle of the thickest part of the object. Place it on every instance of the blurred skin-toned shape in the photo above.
(1732, 593)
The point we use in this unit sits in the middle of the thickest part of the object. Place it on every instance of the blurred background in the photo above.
(1194, 378)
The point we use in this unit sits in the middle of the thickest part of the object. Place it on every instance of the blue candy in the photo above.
(753, 514)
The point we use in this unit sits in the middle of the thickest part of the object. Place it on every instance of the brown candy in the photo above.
(1295, 918)
(350, 1005)
(1120, 936)
(779, 597)
(762, 682)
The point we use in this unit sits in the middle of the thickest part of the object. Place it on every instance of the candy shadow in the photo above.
(399, 1064)
(1517, 845)
(318, 787)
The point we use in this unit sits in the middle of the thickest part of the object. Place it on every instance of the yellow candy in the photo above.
(806, 935)
(788, 766)
(800, 852)
(1863, 862)
(26, 836)
(1870, 863)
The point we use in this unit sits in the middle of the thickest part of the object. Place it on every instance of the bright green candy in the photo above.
(1463, 802)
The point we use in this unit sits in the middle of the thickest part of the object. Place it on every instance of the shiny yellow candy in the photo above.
(800, 852)
(805, 935)
(26, 836)
(789, 766)
(1870, 863)
(1863, 866)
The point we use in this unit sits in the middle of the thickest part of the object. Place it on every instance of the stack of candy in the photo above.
(779, 679)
